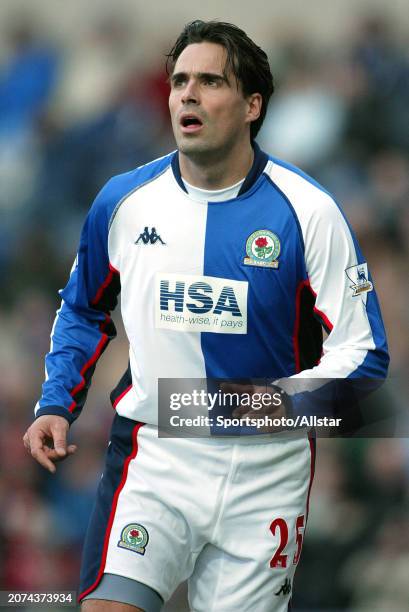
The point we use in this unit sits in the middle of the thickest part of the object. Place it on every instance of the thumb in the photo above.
(60, 440)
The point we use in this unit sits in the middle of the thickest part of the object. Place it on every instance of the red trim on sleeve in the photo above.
(296, 344)
(105, 322)
(105, 284)
(325, 319)
(320, 314)
(90, 362)
(113, 510)
(118, 399)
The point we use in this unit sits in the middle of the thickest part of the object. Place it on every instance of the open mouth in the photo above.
(190, 123)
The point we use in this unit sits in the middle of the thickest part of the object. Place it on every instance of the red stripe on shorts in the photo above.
(121, 485)
(312, 471)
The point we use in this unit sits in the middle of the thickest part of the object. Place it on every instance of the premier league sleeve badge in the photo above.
(358, 275)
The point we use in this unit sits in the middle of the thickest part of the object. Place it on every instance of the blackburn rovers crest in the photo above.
(134, 537)
(262, 249)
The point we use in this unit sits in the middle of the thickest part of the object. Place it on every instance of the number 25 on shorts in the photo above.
(279, 558)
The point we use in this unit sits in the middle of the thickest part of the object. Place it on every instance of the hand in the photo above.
(269, 396)
(46, 440)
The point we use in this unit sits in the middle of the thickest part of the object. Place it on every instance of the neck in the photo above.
(219, 170)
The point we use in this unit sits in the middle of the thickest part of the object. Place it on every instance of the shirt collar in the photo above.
(259, 163)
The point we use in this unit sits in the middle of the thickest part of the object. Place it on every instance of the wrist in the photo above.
(286, 402)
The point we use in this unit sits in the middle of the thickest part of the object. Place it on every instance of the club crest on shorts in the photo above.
(262, 249)
(358, 275)
(134, 537)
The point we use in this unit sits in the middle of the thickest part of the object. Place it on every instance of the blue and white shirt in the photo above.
(239, 288)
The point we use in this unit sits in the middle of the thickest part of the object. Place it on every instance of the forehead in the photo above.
(202, 57)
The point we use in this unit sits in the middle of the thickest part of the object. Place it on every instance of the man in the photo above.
(230, 263)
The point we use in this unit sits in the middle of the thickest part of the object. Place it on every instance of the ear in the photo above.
(254, 103)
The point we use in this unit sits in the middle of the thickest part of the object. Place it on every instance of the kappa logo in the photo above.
(285, 588)
(149, 237)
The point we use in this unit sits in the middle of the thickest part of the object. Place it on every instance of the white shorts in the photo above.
(228, 515)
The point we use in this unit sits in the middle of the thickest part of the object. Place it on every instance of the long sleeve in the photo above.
(83, 326)
(344, 301)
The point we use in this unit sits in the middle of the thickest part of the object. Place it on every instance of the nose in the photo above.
(191, 93)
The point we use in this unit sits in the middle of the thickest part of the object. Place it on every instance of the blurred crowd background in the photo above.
(76, 110)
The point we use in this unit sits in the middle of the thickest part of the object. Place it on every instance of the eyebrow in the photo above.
(200, 75)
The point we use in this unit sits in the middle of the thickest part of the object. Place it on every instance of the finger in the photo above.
(54, 456)
(253, 414)
(240, 411)
(47, 456)
(59, 434)
(38, 447)
(26, 441)
(39, 453)
(247, 410)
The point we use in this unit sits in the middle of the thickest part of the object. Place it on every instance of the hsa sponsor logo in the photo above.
(201, 303)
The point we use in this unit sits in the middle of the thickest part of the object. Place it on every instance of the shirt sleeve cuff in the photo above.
(56, 411)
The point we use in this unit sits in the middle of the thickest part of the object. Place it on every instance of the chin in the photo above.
(191, 147)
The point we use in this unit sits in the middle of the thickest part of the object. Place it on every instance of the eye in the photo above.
(178, 81)
(209, 81)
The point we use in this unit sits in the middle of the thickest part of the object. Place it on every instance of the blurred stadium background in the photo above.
(82, 97)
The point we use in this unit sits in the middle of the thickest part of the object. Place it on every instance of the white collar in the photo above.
(213, 195)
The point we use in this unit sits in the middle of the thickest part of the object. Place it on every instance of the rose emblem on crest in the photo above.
(261, 247)
(134, 537)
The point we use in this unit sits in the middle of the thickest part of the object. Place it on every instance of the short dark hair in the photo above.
(248, 62)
